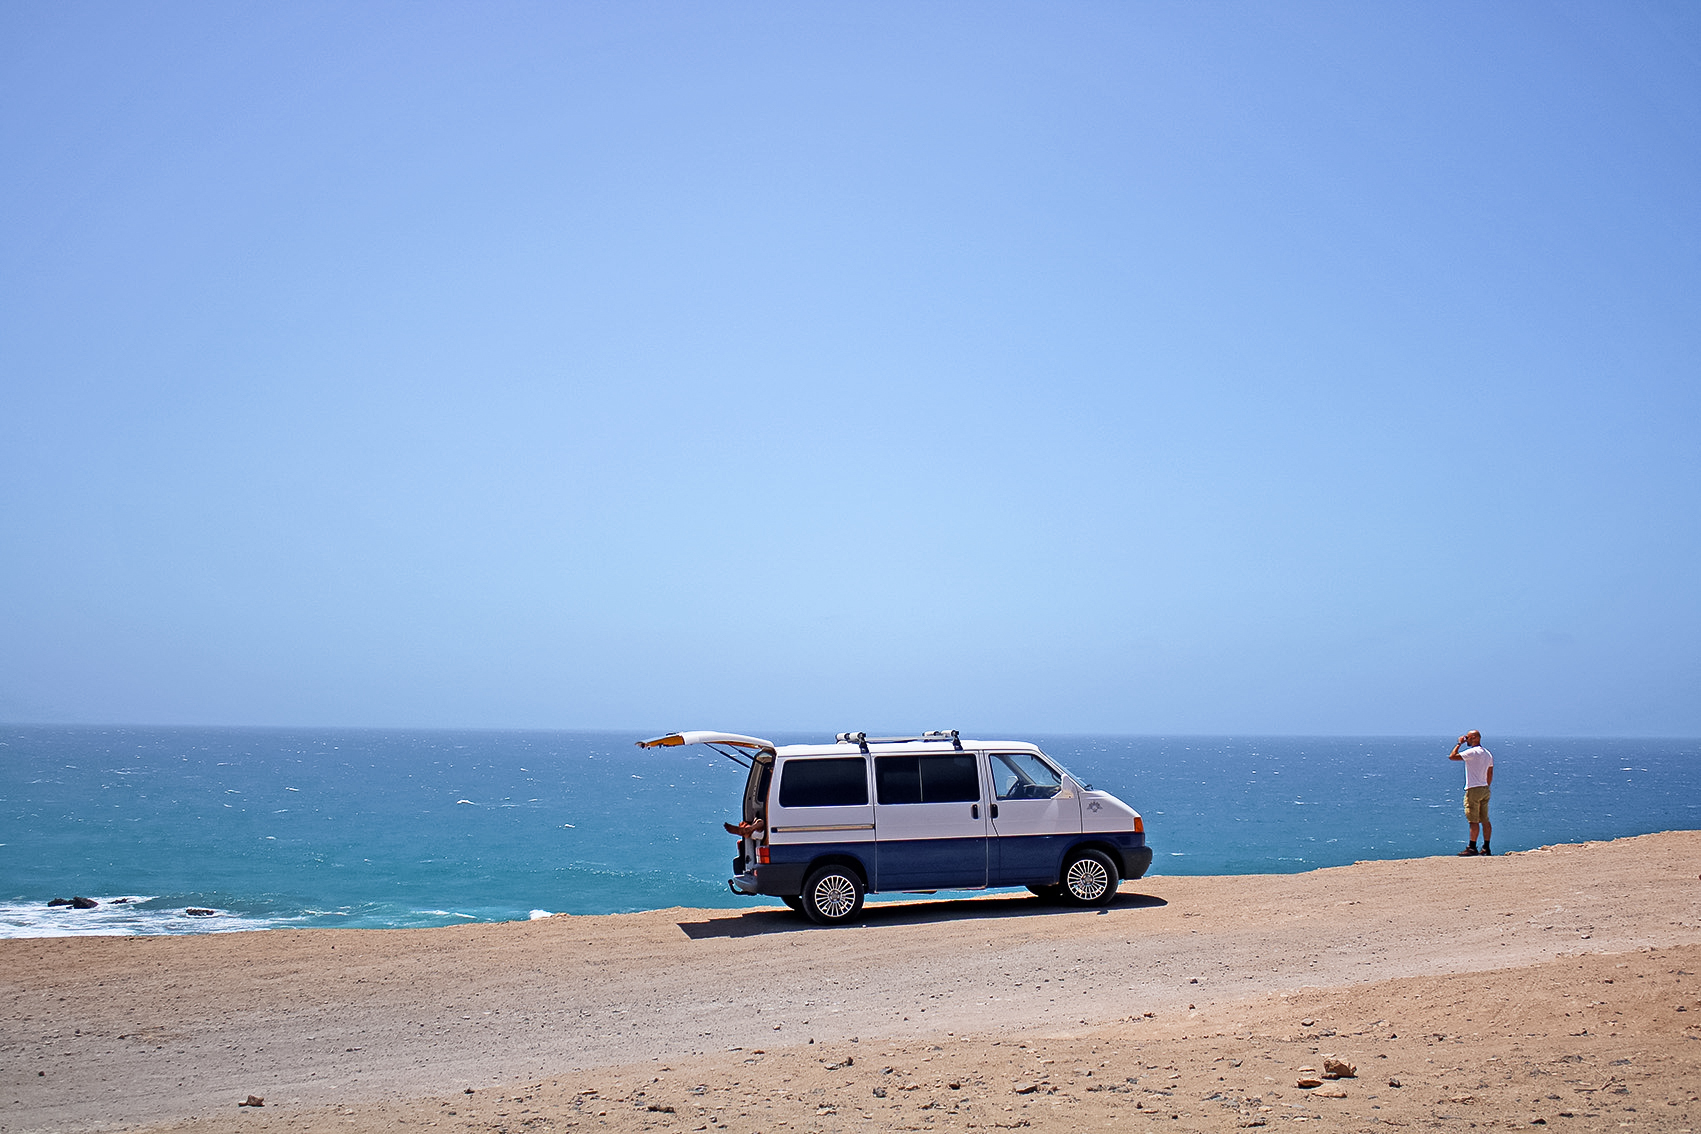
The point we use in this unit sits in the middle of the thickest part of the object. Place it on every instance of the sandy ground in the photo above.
(1554, 987)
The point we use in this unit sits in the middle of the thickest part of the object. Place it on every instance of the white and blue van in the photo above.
(824, 824)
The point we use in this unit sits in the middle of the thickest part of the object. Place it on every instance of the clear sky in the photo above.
(1127, 367)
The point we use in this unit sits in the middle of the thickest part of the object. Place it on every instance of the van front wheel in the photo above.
(1090, 879)
(832, 896)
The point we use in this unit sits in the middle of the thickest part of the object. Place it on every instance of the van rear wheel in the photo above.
(832, 896)
(1090, 879)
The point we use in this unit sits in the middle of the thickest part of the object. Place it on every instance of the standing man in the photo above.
(1479, 774)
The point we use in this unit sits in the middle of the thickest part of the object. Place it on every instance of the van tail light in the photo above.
(762, 854)
(1139, 825)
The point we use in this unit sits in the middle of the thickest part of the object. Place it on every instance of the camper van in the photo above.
(825, 824)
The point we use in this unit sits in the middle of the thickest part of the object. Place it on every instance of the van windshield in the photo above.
(1022, 775)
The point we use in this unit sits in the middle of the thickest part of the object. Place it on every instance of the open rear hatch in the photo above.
(726, 743)
(750, 752)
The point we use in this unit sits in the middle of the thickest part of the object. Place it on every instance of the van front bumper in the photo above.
(1136, 861)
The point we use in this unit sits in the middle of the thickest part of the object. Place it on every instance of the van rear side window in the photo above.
(927, 779)
(839, 782)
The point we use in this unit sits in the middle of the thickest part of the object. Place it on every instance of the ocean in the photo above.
(274, 828)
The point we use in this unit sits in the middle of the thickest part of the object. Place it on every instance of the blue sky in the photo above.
(1141, 368)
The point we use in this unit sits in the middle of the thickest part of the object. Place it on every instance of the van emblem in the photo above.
(1092, 805)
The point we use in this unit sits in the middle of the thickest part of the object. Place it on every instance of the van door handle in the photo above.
(995, 811)
(974, 811)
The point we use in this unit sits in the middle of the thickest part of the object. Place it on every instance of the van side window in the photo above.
(839, 782)
(1021, 775)
(927, 779)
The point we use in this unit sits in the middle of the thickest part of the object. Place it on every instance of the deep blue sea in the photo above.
(381, 828)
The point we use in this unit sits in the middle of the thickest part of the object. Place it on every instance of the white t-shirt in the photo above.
(1478, 761)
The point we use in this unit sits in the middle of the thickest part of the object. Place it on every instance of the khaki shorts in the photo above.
(1476, 805)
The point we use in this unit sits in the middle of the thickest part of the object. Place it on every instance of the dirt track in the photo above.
(386, 1024)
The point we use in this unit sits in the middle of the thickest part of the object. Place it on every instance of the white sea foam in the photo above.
(539, 915)
(121, 919)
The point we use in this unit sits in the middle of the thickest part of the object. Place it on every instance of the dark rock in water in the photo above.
(196, 911)
(121, 901)
(59, 902)
(83, 903)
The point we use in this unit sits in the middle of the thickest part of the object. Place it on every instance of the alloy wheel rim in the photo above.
(835, 895)
(1087, 879)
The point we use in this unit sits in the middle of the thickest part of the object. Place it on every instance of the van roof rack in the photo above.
(864, 740)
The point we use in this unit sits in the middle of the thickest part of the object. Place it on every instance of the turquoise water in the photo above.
(317, 827)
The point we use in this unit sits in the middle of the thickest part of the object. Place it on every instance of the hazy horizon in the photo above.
(826, 733)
